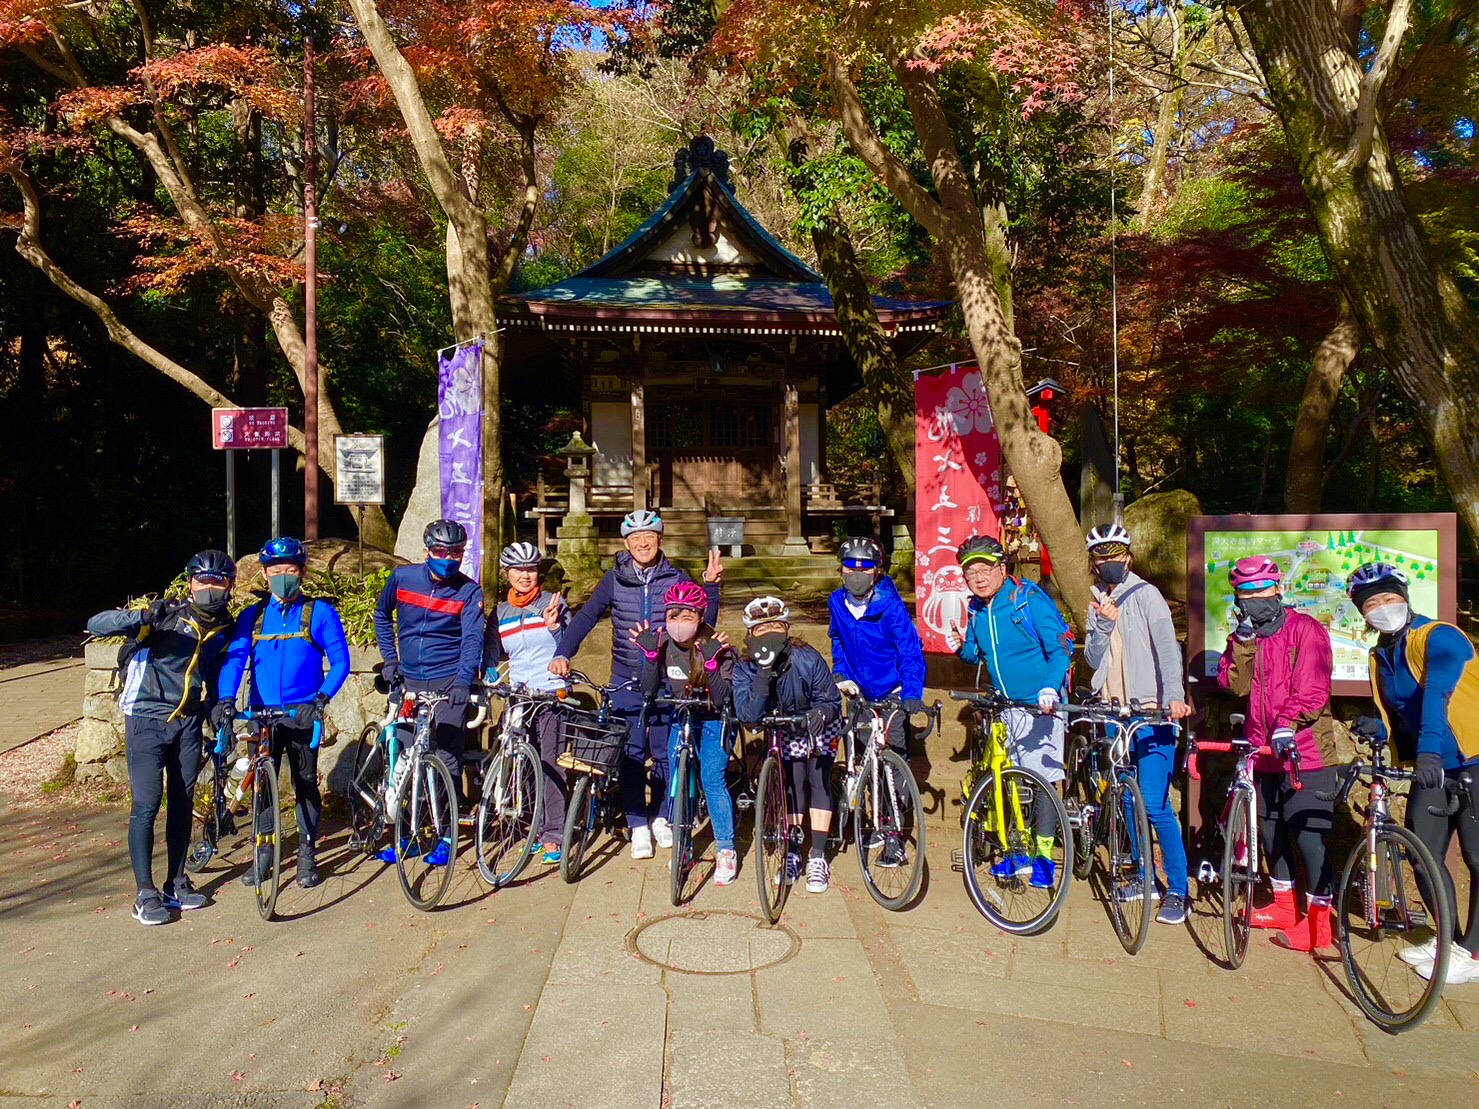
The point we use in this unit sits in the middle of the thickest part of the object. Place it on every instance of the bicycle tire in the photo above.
(772, 839)
(205, 830)
(509, 811)
(580, 819)
(424, 819)
(368, 778)
(1130, 929)
(681, 861)
(1238, 880)
(1081, 793)
(982, 849)
(1394, 844)
(265, 802)
(908, 825)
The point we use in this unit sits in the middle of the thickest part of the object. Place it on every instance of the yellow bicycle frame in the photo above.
(993, 759)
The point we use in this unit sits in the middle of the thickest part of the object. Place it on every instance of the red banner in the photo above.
(958, 471)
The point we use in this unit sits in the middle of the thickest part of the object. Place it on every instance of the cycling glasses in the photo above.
(446, 552)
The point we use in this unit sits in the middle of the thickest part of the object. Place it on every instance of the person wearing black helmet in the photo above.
(168, 662)
(429, 628)
(289, 639)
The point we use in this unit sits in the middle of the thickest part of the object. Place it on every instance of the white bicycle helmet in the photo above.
(766, 610)
(520, 555)
(1109, 539)
(644, 519)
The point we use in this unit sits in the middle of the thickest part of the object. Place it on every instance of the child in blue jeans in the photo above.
(686, 655)
(1131, 644)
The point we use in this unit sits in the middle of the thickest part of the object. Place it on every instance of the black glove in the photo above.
(458, 696)
(311, 711)
(914, 706)
(1243, 632)
(153, 613)
(1368, 727)
(816, 720)
(1429, 769)
(1282, 742)
(390, 674)
(649, 639)
(710, 649)
(222, 714)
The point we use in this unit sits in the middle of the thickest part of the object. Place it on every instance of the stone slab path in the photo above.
(38, 697)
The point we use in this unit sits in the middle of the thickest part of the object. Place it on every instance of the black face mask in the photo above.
(858, 583)
(1266, 614)
(1112, 573)
(766, 649)
(210, 604)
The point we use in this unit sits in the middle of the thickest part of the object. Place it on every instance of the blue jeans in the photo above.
(1155, 762)
(713, 764)
(645, 737)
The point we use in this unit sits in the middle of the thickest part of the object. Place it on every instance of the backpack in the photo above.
(1022, 592)
(305, 620)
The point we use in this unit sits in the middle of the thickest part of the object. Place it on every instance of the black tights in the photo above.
(160, 754)
(1290, 820)
(809, 784)
(1437, 831)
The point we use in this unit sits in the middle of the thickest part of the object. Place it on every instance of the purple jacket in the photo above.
(1286, 679)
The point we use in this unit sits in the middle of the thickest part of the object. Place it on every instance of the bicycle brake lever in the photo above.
(318, 734)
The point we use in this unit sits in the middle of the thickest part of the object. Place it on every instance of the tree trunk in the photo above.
(1414, 315)
(1304, 485)
(1165, 124)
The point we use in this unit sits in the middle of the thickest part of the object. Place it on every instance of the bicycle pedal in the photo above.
(957, 861)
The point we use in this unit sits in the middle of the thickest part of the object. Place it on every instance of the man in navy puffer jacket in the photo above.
(632, 591)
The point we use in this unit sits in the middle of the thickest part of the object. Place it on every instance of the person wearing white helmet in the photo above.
(632, 593)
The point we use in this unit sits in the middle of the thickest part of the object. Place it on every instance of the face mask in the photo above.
(765, 649)
(682, 633)
(284, 586)
(441, 567)
(858, 583)
(1389, 618)
(209, 602)
(1262, 612)
(1112, 573)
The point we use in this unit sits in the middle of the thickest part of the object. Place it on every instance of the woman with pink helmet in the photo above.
(1280, 659)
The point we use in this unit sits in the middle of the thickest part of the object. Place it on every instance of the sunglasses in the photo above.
(210, 579)
(446, 552)
(859, 564)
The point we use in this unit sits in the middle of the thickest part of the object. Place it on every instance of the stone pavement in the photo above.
(39, 697)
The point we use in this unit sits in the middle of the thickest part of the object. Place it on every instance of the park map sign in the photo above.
(1316, 555)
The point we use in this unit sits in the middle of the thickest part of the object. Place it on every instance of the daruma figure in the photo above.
(948, 602)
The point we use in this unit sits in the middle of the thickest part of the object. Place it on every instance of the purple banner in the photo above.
(460, 406)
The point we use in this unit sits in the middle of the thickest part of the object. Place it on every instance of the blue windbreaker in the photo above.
(290, 670)
(438, 628)
(1419, 714)
(881, 652)
(1020, 635)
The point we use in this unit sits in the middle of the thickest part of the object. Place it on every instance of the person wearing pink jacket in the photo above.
(1281, 659)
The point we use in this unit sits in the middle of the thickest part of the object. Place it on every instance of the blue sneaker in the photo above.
(440, 855)
(551, 855)
(386, 854)
(1044, 873)
(1013, 866)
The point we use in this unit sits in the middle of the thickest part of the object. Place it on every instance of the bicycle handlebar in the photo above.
(1456, 791)
(270, 717)
(932, 711)
(776, 720)
(1243, 749)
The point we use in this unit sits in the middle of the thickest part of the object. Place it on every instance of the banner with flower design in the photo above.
(958, 495)
(460, 445)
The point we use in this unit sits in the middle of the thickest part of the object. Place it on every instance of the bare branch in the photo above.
(1399, 18)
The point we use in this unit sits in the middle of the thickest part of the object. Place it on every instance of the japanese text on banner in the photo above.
(460, 441)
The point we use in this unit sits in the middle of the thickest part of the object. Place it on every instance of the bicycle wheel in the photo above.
(890, 816)
(267, 823)
(1239, 877)
(508, 815)
(580, 825)
(1380, 910)
(1082, 806)
(1000, 844)
(685, 797)
(209, 824)
(1130, 863)
(426, 832)
(365, 794)
(772, 839)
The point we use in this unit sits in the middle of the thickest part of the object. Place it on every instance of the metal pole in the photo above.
(1114, 277)
(230, 504)
(310, 302)
(361, 510)
(276, 492)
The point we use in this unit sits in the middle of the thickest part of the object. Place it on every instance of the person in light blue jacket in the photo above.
(1016, 632)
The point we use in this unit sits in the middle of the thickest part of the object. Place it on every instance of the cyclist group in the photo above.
(183, 662)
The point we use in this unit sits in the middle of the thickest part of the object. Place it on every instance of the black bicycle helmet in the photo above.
(214, 564)
(444, 533)
(980, 548)
(859, 548)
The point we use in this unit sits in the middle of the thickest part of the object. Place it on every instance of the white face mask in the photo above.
(1388, 618)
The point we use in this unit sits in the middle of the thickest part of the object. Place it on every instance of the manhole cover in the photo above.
(713, 943)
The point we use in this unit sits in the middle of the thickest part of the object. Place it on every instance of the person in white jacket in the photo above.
(1131, 644)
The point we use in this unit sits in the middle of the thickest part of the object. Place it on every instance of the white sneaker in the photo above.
(817, 873)
(1420, 953)
(662, 831)
(642, 843)
(1463, 968)
(726, 868)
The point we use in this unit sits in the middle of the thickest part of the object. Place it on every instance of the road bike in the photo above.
(405, 787)
(506, 827)
(1106, 810)
(1009, 812)
(591, 745)
(690, 803)
(1392, 893)
(773, 817)
(1237, 833)
(218, 797)
(880, 796)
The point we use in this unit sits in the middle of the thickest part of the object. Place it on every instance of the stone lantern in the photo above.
(576, 549)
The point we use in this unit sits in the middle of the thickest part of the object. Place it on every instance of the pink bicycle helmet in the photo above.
(1254, 572)
(685, 594)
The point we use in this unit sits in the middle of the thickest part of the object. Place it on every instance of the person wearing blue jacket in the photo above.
(1018, 634)
(429, 627)
(632, 592)
(876, 651)
(288, 639)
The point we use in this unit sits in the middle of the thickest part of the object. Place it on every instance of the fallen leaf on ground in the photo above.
(135, 1028)
(237, 1076)
(390, 1076)
(1189, 1003)
(1128, 1063)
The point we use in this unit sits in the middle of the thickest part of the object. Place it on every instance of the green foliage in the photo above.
(354, 597)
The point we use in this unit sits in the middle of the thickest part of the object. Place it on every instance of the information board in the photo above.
(359, 469)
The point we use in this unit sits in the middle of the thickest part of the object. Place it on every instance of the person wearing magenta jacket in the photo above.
(1281, 659)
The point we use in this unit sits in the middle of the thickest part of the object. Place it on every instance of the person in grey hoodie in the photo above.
(1131, 644)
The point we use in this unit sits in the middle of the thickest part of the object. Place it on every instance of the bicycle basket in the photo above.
(590, 747)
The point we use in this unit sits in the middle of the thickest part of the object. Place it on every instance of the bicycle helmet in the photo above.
(282, 549)
(1108, 540)
(444, 533)
(644, 519)
(766, 610)
(520, 556)
(980, 548)
(1254, 572)
(211, 564)
(1373, 578)
(685, 594)
(860, 549)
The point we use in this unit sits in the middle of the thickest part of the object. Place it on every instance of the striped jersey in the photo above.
(519, 634)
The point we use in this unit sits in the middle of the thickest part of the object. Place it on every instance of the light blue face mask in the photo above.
(441, 567)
